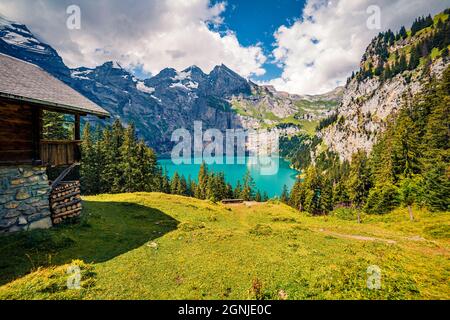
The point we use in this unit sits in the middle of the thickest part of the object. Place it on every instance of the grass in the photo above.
(155, 246)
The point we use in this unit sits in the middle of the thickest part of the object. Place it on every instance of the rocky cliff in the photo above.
(389, 76)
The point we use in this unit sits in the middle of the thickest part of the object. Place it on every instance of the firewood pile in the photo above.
(65, 201)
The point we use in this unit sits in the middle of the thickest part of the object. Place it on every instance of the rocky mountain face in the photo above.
(371, 97)
(17, 41)
(172, 99)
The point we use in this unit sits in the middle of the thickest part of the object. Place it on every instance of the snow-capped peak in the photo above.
(18, 35)
(116, 65)
(182, 75)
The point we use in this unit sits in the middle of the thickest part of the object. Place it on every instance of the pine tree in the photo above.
(189, 190)
(402, 64)
(379, 69)
(146, 168)
(258, 197)
(174, 183)
(114, 157)
(436, 140)
(238, 190)
(53, 126)
(201, 191)
(387, 72)
(193, 188)
(403, 34)
(296, 199)
(414, 59)
(382, 199)
(88, 170)
(182, 186)
(340, 194)
(285, 195)
(248, 187)
(165, 185)
(405, 145)
(129, 163)
(312, 192)
(359, 181)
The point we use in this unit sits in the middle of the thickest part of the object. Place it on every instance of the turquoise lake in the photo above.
(272, 184)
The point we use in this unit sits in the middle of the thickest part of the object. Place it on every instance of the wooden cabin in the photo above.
(26, 91)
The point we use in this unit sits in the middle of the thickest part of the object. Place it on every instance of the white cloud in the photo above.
(154, 34)
(340, 28)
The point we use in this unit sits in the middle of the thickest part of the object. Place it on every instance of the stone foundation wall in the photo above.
(24, 199)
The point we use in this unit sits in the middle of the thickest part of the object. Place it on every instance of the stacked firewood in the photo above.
(65, 201)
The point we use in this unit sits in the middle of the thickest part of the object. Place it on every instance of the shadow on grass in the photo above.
(105, 231)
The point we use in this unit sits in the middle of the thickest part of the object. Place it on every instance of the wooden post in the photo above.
(77, 133)
(36, 114)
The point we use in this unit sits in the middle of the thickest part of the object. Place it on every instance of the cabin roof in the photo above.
(23, 81)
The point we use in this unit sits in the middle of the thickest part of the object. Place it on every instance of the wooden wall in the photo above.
(16, 133)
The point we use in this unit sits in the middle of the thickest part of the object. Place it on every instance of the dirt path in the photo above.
(356, 237)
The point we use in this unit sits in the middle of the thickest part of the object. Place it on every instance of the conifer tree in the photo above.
(248, 187)
(414, 59)
(296, 200)
(285, 195)
(53, 126)
(114, 157)
(403, 33)
(182, 186)
(146, 168)
(175, 183)
(88, 170)
(359, 180)
(238, 190)
(129, 164)
(258, 197)
(202, 182)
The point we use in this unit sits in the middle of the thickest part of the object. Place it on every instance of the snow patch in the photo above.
(18, 40)
(80, 74)
(156, 98)
(179, 85)
(143, 88)
(183, 75)
(192, 85)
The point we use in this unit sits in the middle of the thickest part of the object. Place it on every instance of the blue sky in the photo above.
(257, 21)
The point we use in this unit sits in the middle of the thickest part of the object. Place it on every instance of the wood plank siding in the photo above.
(16, 133)
(60, 153)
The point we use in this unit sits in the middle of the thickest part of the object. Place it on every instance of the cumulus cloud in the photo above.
(151, 35)
(320, 50)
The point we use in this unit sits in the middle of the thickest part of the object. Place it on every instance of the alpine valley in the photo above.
(174, 99)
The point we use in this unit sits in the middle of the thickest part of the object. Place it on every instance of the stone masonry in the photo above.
(24, 199)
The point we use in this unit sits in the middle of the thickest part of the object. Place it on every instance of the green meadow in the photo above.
(157, 246)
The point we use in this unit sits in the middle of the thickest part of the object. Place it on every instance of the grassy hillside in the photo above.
(155, 246)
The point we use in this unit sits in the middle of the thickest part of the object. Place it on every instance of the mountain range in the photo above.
(174, 99)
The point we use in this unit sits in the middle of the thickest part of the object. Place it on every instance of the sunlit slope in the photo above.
(155, 246)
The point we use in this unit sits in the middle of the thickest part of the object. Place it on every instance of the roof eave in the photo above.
(57, 106)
